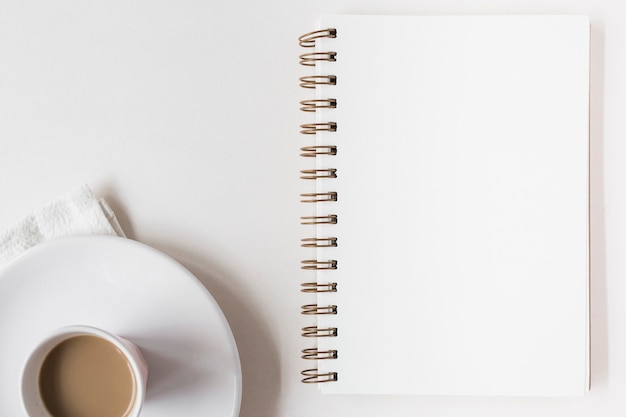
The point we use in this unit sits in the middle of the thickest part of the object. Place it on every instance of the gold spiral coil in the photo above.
(314, 151)
(312, 376)
(314, 331)
(313, 128)
(315, 354)
(319, 242)
(314, 264)
(318, 197)
(317, 287)
(312, 81)
(314, 174)
(316, 310)
(310, 59)
(308, 39)
(313, 105)
(328, 219)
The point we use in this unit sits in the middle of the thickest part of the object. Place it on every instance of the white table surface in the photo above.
(184, 115)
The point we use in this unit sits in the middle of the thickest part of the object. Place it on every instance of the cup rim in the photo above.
(38, 354)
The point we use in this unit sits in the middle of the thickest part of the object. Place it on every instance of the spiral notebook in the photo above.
(445, 205)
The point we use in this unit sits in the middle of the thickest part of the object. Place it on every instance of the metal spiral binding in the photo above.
(317, 287)
(313, 174)
(318, 197)
(310, 59)
(315, 310)
(319, 242)
(314, 151)
(308, 39)
(313, 105)
(328, 219)
(312, 376)
(313, 128)
(314, 264)
(314, 331)
(315, 355)
(312, 81)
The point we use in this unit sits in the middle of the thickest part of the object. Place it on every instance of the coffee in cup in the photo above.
(83, 371)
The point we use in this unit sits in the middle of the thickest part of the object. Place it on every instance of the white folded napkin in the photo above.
(76, 213)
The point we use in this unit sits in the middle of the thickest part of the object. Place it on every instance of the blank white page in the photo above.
(462, 181)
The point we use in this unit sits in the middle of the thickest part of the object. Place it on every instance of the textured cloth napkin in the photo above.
(76, 213)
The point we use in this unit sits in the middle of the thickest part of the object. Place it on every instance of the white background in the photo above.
(184, 115)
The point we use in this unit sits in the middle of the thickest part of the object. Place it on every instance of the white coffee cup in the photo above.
(31, 394)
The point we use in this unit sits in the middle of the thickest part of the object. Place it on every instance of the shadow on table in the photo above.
(598, 288)
(257, 352)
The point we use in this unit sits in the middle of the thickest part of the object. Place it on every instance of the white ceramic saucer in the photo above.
(137, 292)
